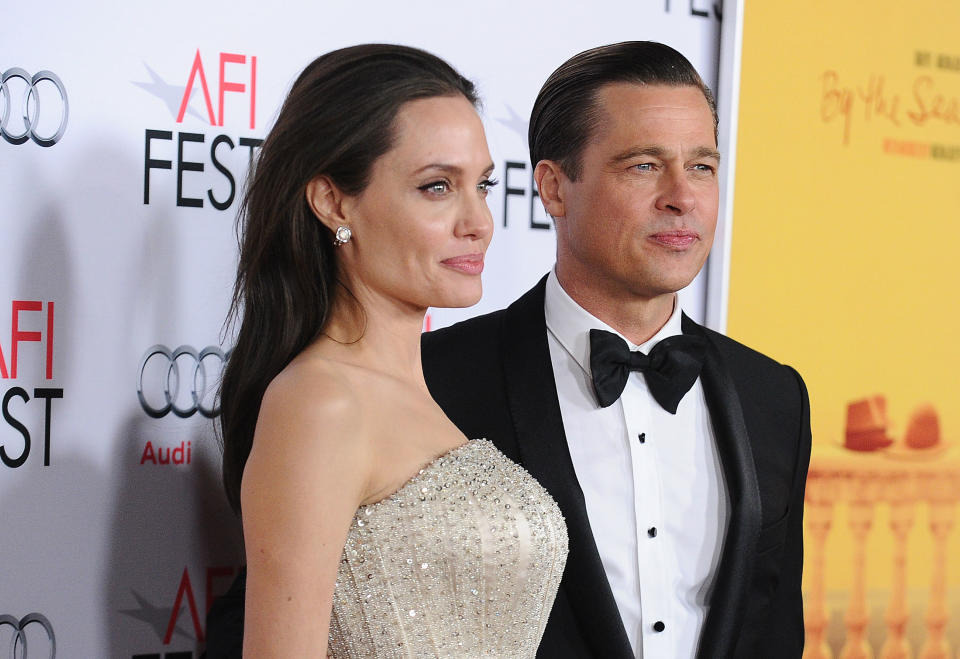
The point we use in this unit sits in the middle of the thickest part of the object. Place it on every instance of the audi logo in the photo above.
(30, 111)
(20, 628)
(171, 382)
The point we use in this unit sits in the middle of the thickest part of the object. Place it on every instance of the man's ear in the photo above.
(549, 176)
(326, 202)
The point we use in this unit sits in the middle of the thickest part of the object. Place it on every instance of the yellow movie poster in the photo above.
(845, 264)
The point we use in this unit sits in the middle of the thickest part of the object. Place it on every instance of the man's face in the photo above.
(639, 221)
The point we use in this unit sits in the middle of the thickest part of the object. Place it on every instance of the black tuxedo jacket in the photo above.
(493, 377)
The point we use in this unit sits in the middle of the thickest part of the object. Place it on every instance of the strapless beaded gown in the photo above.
(463, 561)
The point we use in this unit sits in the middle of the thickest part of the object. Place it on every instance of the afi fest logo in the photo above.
(30, 636)
(196, 71)
(31, 321)
(203, 175)
(166, 622)
(23, 117)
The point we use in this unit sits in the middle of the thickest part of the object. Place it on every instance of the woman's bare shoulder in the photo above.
(315, 388)
(311, 425)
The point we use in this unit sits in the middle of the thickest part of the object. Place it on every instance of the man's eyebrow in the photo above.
(659, 152)
(706, 152)
(638, 152)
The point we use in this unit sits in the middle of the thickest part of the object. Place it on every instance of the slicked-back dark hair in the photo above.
(336, 121)
(566, 112)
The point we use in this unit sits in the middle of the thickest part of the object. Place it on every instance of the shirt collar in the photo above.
(570, 324)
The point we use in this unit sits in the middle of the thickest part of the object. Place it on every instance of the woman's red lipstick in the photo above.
(471, 264)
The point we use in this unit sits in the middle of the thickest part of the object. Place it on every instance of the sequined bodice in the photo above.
(462, 561)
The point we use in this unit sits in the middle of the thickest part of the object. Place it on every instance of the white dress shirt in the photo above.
(652, 482)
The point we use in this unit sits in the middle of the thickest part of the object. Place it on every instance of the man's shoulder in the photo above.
(753, 370)
(731, 349)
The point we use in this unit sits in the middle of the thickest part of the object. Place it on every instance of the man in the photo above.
(684, 515)
(683, 501)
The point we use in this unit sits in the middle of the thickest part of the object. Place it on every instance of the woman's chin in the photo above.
(458, 299)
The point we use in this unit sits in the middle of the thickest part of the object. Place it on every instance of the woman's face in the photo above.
(422, 226)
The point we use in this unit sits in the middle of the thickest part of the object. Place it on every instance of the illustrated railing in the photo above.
(862, 481)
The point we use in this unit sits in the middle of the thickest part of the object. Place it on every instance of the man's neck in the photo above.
(636, 317)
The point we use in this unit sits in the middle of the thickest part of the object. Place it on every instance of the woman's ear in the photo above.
(326, 202)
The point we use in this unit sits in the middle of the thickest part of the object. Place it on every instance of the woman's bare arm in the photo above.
(306, 476)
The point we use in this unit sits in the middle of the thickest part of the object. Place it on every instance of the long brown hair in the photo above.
(336, 121)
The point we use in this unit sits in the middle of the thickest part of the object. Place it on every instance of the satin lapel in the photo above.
(728, 602)
(532, 396)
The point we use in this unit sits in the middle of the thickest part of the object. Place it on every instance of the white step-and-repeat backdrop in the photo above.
(127, 134)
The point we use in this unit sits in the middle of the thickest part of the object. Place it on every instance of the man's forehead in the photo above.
(631, 102)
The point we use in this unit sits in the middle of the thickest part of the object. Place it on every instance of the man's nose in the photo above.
(676, 194)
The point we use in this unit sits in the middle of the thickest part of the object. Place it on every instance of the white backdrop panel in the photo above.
(118, 552)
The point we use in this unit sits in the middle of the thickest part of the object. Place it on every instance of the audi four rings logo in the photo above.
(171, 381)
(31, 113)
(20, 628)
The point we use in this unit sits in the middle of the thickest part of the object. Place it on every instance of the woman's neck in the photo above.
(375, 332)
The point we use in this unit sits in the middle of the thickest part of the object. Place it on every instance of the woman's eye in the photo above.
(436, 187)
(484, 186)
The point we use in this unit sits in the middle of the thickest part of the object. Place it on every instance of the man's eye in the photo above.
(704, 168)
(644, 166)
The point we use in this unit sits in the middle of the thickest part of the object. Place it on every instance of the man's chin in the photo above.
(662, 284)
(666, 279)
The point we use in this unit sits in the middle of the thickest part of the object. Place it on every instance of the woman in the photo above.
(368, 518)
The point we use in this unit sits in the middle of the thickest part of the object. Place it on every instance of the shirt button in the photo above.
(642, 437)
(658, 626)
(652, 532)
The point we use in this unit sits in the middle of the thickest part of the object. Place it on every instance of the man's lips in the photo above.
(471, 264)
(675, 239)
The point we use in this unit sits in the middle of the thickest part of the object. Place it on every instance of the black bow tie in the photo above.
(670, 369)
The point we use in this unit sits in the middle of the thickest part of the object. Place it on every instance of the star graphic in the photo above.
(516, 123)
(171, 95)
(155, 616)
